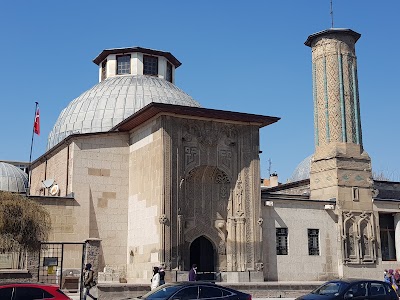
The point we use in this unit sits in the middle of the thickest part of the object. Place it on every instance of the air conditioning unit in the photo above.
(329, 206)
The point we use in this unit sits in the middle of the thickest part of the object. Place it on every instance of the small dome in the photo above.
(12, 179)
(302, 171)
(112, 101)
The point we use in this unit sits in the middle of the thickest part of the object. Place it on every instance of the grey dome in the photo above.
(113, 100)
(302, 171)
(12, 179)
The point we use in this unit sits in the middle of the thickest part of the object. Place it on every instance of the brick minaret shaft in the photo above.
(340, 167)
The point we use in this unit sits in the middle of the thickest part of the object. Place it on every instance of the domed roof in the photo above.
(302, 171)
(113, 100)
(12, 179)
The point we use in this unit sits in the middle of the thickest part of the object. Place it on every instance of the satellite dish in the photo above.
(54, 190)
(47, 183)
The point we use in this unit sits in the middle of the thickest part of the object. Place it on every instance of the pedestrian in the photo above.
(392, 280)
(90, 283)
(386, 277)
(155, 281)
(162, 275)
(193, 273)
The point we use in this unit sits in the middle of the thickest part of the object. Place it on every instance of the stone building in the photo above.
(136, 165)
(141, 166)
(333, 219)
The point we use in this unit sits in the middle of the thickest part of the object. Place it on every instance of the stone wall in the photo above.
(298, 216)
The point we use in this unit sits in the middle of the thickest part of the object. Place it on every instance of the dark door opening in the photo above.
(202, 254)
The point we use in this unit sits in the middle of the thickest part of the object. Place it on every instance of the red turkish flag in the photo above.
(36, 124)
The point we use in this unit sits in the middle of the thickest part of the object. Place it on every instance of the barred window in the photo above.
(281, 241)
(124, 64)
(168, 76)
(103, 70)
(150, 65)
(313, 241)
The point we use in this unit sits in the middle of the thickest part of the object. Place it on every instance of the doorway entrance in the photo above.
(203, 255)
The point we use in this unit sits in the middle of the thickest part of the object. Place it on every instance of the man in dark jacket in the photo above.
(193, 273)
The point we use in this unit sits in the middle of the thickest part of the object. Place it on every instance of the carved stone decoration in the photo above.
(221, 178)
(209, 134)
(358, 238)
(192, 157)
(260, 221)
(239, 197)
(367, 237)
(163, 219)
(225, 160)
(222, 248)
(230, 135)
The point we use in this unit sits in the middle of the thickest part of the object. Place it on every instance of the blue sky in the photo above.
(246, 56)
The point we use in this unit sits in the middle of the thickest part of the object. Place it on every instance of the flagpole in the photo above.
(30, 155)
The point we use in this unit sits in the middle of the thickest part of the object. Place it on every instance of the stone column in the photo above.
(397, 235)
(241, 244)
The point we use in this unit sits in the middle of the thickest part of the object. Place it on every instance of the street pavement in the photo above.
(76, 297)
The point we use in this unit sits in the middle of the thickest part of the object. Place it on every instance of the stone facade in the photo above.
(150, 193)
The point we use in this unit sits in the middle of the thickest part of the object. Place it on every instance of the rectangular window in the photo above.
(123, 64)
(313, 241)
(150, 65)
(281, 241)
(388, 248)
(103, 70)
(168, 76)
(13, 260)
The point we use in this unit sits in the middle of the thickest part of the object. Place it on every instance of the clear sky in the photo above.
(245, 56)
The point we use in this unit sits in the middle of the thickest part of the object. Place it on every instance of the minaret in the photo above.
(340, 168)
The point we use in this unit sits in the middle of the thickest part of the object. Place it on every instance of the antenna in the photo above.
(331, 14)
(269, 166)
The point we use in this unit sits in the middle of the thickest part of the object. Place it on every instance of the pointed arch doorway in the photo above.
(203, 255)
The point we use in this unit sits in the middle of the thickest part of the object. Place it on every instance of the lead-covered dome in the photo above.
(12, 179)
(302, 170)
(113, 100)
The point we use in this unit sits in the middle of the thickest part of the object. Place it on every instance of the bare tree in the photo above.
(23, 223)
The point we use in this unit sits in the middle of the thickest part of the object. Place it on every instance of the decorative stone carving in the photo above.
(225, 159)
(191, 157)
(222, 248)
(221, 178)
(260, 221)
(163, 219)
(239, 196)
(358, 238)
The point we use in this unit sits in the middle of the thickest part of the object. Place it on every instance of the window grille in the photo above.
(168, 76)
(150, 65)
(123, 64)
(313, 241)
(281, 241)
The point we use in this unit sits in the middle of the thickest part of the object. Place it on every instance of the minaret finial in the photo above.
(331, 14)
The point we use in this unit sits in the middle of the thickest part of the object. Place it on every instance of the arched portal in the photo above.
(202, 253)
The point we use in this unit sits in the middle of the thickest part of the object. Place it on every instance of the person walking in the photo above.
(155, 281)
(162, 275)
(89, 283)
(193, 273)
